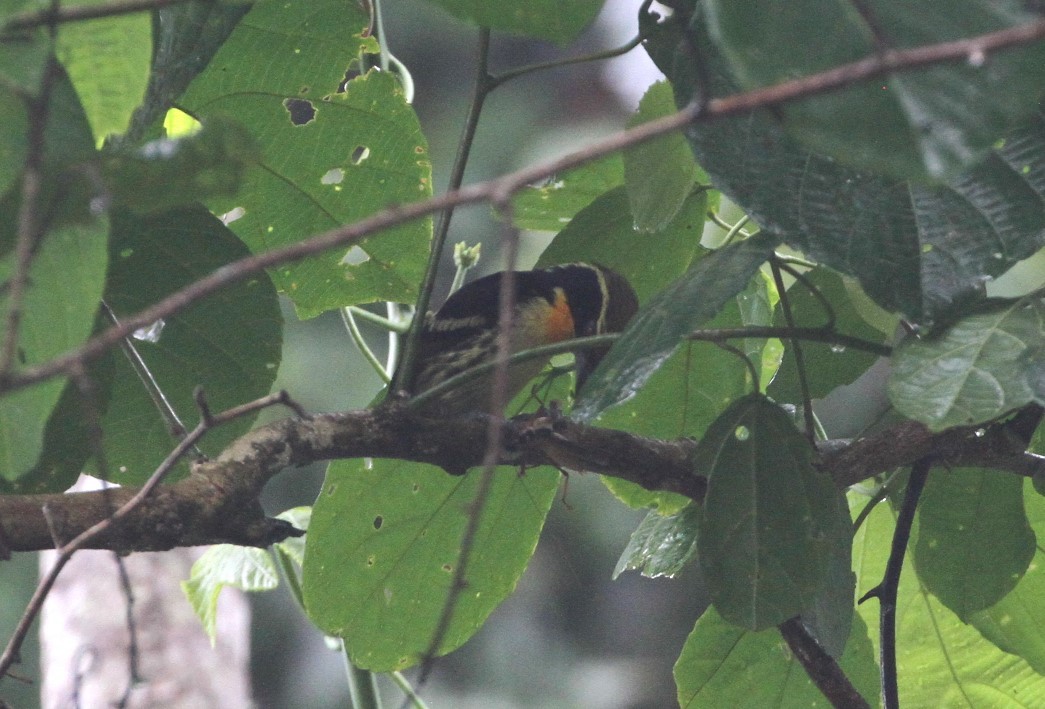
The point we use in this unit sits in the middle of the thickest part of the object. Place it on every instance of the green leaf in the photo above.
(829, 618)
(65, 279)
(659, 174)
(722, 665)
(332, 157)
(229, 343)
(666, 319)
(222, 565)
(603, 232)
(828, 366)
(919, 250)
(661, 545)
(765, 538)
(24, 55)
(934, 121)
(947, 663)
(1016, 623)
(108, 61)
(187, 35)
(65, 284)
(547, 19)
(169, 172)
(551, 206)
(383, 544)
(973, 371)
(14, 122)
(974, 542)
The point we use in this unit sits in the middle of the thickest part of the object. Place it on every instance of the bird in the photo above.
(552, 304)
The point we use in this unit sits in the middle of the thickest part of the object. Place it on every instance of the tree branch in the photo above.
(218, 502)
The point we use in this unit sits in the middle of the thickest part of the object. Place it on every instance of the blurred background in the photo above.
(570, 636)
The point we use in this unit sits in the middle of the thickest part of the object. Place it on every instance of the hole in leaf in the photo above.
(301, 111)
(355, 256)
(378, 521)
(232, 215)
(334, 176)
(360, 154)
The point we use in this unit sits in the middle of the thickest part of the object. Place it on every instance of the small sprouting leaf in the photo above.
(245, 568)
(975, 370)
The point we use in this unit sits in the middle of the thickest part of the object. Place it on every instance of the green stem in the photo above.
(390, 324)
(362, 685)
(412, 699)
(404, 373)
(361, 345)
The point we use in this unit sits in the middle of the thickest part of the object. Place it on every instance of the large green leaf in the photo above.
(108, 61)
(916, 249)
(331, 157)
(547, 19)
(383, 543)
(65, 284)
(974, 542)
(942, 661)
(229, 343)
(686, 304)
(936, 121)
(722, 665)
(168, 172)
(1016, 623)
(766, 537)
(660, 174)
(65, 279)
(980, 367)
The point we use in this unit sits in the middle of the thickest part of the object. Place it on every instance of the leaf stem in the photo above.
(349, 319)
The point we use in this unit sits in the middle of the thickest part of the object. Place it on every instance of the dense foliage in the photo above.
(818, 237)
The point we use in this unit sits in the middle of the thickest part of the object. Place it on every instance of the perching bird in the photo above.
(551, 305)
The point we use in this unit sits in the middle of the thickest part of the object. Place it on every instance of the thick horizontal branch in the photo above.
(218, 502)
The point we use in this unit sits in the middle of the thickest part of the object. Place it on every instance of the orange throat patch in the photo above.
(559, 326)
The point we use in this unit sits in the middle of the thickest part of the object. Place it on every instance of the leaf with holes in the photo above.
(384, 543)
(973, 371)
(334, 151)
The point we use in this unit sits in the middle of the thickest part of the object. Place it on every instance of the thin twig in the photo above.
(813, 334)
(404, 374)
(796, 349)
(744, 102)
(30, 225)
(494, 439)
(506, 76)
(65, 552)
(348, 317)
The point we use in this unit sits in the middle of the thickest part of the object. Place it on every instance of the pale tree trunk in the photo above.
(85, 640)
